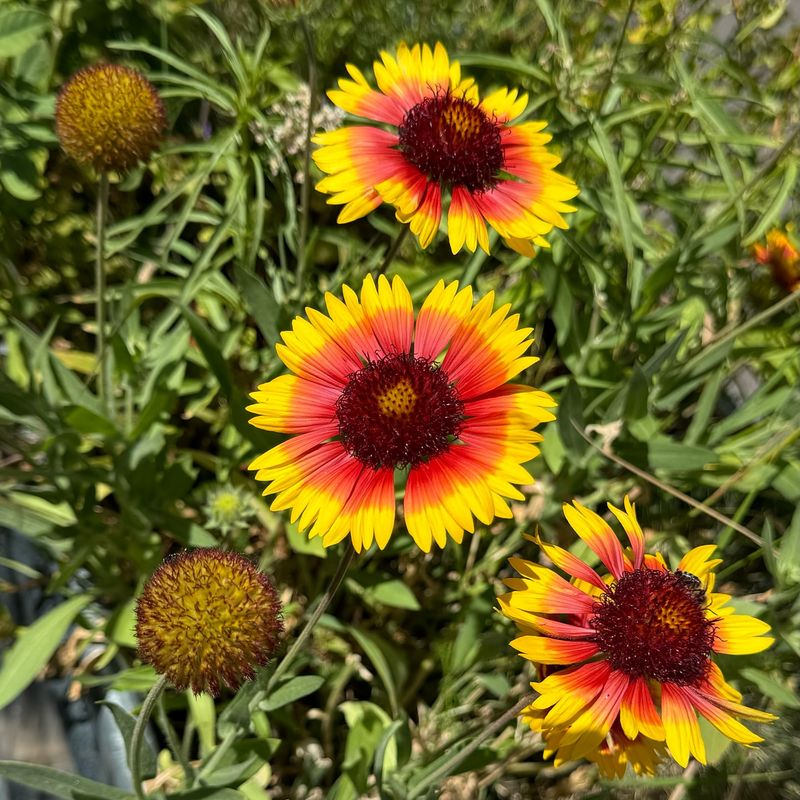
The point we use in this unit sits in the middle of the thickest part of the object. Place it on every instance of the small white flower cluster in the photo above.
(289, 134)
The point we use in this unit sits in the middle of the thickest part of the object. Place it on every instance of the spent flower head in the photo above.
(626, 657)
(206, 619)
(109, 116)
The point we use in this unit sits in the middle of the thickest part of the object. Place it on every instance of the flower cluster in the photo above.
(625, 657)
(289, 134)
(381, 400)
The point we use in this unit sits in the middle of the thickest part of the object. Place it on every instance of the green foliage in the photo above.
(664, 343)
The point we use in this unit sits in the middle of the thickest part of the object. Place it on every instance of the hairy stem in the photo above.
(104, 376)
(135, 752)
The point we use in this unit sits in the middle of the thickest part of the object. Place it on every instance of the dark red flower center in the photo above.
(653, 625)
(398, 411)
(453, 142)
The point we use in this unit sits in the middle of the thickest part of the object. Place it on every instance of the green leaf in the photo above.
(121, 627)
(663, 453)
(84, 420)
(705, 407)
(367, 723)
(570, 416)
(126, 723)
(776, 205)
(716, 742)
(623, 215)
(790, 548)
(57, 783)
(370, 644)
(25, 659)
(209, 347)
(33, 514)
(393, 593)
(19, 176)
(777, 690)
(300, 543)
(208, 793)
(291, 690)
(20, 27)
(261, 304)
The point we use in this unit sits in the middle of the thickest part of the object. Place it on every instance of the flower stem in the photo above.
(222, 748)
(135, 752)
(457, 758)
(393, 248)
(174, 744)
(104, 376)
(305, 190)
(321, 606)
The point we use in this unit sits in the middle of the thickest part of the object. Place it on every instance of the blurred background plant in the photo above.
(667, 345)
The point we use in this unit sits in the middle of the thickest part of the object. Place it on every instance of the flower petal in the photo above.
(357, 159)
(289, 404)
(597, 534)
(740, 634)
(486, 350)
(570, 691)
(543, 591)
(441, 313)
(465, 225)
(544, 650)
(638, 713)
(368, 513)
(680, 725)
(424, 220)
(590, 728)
(504, 105)
(721, 720)
(551, 627)
(632, 528)
(697, 562)
(388, 310)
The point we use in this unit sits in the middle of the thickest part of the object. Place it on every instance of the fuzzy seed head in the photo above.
(206, 619)
(109, 116)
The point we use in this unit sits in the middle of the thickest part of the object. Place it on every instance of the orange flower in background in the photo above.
(628, 655)
(372, 394)
(442, 141)
(783, 259)
(109, 116)
(206, 619)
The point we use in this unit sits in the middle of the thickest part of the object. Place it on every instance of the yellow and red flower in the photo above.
(440, 140)
(628, 654)
(370, 394)
(783, 259)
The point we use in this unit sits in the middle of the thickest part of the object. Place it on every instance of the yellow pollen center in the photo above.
(461, 121)
(670, 618)
(399, 401)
